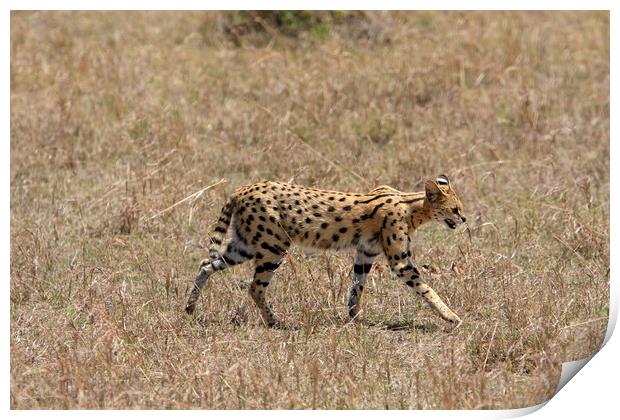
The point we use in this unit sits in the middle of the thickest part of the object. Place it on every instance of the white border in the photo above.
(593, 394)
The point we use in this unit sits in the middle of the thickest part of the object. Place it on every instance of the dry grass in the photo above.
(117, 116)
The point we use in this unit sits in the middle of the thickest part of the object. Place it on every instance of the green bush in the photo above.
(288, 23)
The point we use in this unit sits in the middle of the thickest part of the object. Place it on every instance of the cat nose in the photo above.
(463, 218)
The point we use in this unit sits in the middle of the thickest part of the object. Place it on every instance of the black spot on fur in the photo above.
(374, 210)
(407, 267)
(376, 197)
(267, 266)
(274, 249)
(362, 268)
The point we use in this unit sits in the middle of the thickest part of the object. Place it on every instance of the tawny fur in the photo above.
(267, 217)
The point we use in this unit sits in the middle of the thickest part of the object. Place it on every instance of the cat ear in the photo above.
(433, 193)
(443, 180)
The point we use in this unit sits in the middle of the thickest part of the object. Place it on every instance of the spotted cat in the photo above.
(268, 217)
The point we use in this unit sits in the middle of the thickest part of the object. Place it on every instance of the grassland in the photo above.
(117, 116)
